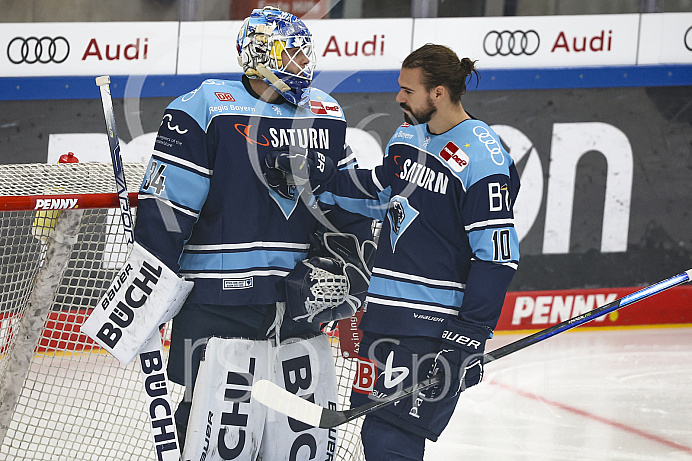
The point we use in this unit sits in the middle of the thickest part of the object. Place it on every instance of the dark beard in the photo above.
(419, 118)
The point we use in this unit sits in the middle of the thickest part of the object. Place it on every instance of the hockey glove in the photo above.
(317, 291)
(310, 169)
(356, 259)
(276, 179)
(460, 358)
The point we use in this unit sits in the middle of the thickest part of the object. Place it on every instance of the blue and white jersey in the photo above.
(204, 207)
(448, 247)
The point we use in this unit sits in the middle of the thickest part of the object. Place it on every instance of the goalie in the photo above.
(209, 214)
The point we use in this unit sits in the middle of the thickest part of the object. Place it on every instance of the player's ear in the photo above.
(438, 93)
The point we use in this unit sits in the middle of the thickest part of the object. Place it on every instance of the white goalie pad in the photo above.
(226, 423)
(144, 295)
(304, 367)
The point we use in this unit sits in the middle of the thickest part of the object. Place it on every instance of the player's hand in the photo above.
(277, 180)
(309, 168)
(460, 358)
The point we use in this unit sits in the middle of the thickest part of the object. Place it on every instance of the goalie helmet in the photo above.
(270, 44)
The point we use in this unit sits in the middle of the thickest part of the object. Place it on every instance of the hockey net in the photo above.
(61, 398)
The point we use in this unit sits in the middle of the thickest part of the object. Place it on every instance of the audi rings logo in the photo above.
(688, 39)
(34, 49)
(514, 42)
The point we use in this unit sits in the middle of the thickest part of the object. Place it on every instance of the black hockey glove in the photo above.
(277, 179)
(317, 291)
(460, 358)
(332, 287)
(310, 169)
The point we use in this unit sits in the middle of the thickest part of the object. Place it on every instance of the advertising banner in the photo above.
(537, 310)
(361, 44)
(115, 48)
(665, 38)
(340, 44)
(536, 41)
(348, 45)
(208, 47)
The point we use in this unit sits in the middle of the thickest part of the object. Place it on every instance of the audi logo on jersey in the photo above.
(511, 42)
(43, 50)
(688, 39)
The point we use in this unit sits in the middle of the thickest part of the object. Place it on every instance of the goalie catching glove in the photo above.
(321, 290)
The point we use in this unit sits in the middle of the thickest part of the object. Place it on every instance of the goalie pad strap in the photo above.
(144, 295)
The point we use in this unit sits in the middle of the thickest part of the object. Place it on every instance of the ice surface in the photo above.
(582, 395)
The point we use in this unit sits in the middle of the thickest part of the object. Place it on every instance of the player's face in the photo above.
(296, 60)
(413, 98)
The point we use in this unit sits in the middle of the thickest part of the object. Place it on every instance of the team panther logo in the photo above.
(396, 215)
(401, 214)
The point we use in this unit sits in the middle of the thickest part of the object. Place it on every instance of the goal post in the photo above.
(61, 397)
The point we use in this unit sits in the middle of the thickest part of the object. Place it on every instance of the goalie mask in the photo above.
(277, 46)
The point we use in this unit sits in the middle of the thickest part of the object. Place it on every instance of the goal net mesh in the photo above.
(65, 399)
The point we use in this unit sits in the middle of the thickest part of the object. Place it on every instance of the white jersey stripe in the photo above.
(410, 305)
(376, 181)
(350, 159)
(490, 222)
(248, 246)
(417, 278)
(182, 162)
(226, 275)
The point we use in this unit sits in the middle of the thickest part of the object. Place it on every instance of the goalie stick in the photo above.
(281, 400)
(103, 83)
(153, 371)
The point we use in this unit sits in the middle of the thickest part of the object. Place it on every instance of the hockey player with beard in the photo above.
(447, 252)
(211, 212)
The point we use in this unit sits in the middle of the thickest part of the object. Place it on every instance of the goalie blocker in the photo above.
(325, 289)
(144, 295)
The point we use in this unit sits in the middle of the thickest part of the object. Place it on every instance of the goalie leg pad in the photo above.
(304, 367)
(144, 295)
(225, 423)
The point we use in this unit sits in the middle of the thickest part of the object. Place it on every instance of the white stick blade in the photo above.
(278, 399)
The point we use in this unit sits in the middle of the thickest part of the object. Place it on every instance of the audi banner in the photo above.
(115, 48)
(348, 45)
(340, 44)
(546, 41)
(665, 38)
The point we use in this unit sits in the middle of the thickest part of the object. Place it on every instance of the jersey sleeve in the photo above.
(174, 188)
(488, 216)
(343, 220)
(365, 192)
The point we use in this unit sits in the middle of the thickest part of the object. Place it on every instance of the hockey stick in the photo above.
(281, 400)
(103, 83)
(153, 370)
